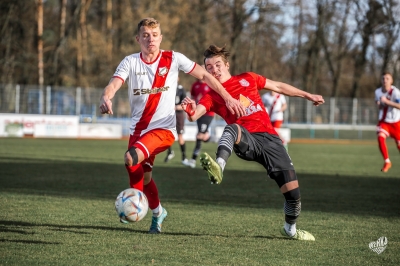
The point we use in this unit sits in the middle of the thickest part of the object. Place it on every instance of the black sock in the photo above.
(183, 150)
(196, 149)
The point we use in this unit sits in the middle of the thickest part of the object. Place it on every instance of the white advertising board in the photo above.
(189, 133)
(285, 134)
(100, 131)
(20, 125)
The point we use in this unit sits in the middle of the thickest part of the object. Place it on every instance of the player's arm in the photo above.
(289, 90)
(193, 111)
(178, 107)
(233, 105)
(390, 103)
(109, 92)
(378, 102)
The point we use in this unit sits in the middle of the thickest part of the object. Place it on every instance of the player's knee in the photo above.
(293, 196)
(131, 157)
(282, 178)
(206, 137)
(241, 141)
(232, 129)
(382, 135)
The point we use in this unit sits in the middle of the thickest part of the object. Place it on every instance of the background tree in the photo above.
(336, 48)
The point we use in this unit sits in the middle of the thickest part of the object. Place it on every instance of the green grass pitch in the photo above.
(57, 208)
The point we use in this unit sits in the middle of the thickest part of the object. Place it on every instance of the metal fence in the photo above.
(337, 118)
(26, 99)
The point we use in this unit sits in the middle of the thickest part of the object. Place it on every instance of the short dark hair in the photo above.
(386, 73)
(214, 50)
(148, 22)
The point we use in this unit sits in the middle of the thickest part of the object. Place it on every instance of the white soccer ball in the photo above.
(131, 205)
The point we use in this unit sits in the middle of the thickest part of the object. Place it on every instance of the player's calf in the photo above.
(292, 205)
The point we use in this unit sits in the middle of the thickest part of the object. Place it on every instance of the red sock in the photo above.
(151, 192)
(383, 147)
(136, 176)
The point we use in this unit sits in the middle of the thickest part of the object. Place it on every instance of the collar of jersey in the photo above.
(149, 63)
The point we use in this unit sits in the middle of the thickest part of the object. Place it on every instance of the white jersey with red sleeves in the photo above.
(273, 105)
(389, 114)
(152, 89)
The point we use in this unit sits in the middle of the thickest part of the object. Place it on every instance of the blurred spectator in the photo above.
(275, 105)
(180, 124)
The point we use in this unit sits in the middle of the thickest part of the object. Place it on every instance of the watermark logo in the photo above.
(379, 245)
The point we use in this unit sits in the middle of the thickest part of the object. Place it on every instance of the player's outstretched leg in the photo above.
(299, 235)
(288, 184)
(156, 222)
(213, 169)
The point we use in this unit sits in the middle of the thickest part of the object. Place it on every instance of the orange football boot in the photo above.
(386, 167)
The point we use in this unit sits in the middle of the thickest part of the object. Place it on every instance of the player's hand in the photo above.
(316, 99)
(189, 106)
(105, 106)
(235, 107)
(384, 100)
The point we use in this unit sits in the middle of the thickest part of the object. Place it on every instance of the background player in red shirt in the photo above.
(198, 90)
(275, 104)
(251, 137)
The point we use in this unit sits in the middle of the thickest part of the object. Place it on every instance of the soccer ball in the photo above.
(131, 205)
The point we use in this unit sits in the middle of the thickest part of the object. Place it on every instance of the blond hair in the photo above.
(148, 22)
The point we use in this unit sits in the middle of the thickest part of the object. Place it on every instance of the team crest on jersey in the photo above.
(162, 71)
(244, 83)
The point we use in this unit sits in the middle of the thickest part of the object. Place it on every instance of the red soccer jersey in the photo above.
(199, 89)
(243, 87)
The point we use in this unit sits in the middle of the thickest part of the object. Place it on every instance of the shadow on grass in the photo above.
(67, 228)
(356, 195)
(29, 241)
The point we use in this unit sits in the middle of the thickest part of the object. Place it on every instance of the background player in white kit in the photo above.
(387, 98)
(275, 104)
(152, 77)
